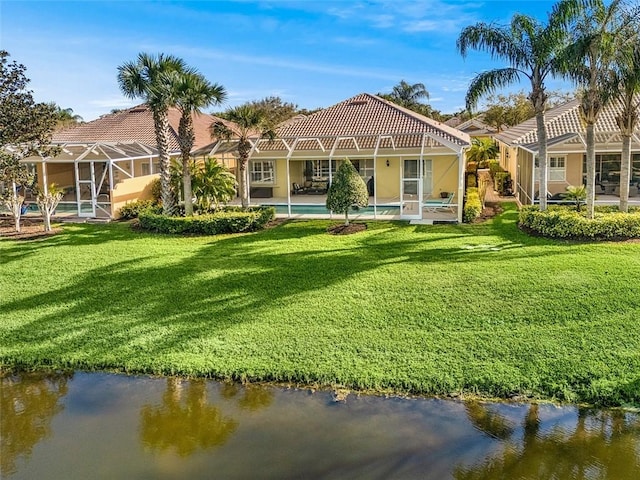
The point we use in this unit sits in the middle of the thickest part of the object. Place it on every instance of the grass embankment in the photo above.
(483, 309)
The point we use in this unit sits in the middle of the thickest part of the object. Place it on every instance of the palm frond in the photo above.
(488, 82)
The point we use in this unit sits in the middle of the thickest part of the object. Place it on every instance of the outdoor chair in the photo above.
(440, 204)
(297, 189)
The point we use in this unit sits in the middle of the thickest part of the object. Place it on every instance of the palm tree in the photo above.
(250, 126)
(589, 60)
(482, 150)
(192, 92)
(627, 79)
(531, 50)
(213, 184)
(408, 96)
(150, 77)
(65, 117)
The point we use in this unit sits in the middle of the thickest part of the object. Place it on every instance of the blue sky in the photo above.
(311, 53)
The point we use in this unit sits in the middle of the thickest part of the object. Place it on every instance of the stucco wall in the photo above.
(131, 189)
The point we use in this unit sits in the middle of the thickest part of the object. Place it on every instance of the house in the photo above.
(112, 160)
(474, 127)
(567, 153)
(406, 159)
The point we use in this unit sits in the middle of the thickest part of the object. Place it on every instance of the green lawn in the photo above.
(483, 309)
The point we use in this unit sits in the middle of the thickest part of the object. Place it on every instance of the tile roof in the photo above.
(135, 124)
(367, 115)
(563, 120)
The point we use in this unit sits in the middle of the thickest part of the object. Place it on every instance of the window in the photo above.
(556, 169)
(146, 168)
(364, 168)
(319, 169)
(262, 171)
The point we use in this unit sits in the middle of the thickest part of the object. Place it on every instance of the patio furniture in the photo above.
(440, 204)
(298, 189)
(317, 188)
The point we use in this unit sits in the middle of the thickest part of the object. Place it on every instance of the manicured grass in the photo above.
(483, 308)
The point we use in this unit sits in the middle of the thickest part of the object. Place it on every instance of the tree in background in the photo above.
(597, 42)
(149, 78)
(410, 96)
(47, 202)
(66, 118)
(626, 79)
(347, 190)
(191, 93)
(531, 50)
(250, 126)
(25, 130)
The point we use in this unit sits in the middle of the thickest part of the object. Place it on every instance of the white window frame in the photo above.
(261, 175)
(365, 166)
(557, 168)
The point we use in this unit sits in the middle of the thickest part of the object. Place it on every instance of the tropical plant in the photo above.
(531, 49)
(249, 126)
(576, 194)
(482, 150)
(25, 129)
(347, 190)
(213, 184)
(66, 117)
(150, 77)
(191, 93)
(410, 96)
(626, 77)
(47, 201)
(589, 59)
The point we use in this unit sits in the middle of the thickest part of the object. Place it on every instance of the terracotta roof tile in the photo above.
(135, 124)
(562, 120)
(367, 114)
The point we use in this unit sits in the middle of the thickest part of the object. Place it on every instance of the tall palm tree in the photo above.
(250, 126)
(192, 92)
(589, 60)
(626, 77)
(531, 49)
(65, 117)
(150, 77)
(406, 94)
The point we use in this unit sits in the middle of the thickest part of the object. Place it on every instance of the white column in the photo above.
(461, 182)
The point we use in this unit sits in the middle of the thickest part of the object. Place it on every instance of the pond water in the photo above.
(98, 426)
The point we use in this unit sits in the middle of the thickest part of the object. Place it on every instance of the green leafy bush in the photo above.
(228, 220)
(156, 190)
(472, 205)
(133, 209)
(567, 223)
(494, 167)
(499, 180)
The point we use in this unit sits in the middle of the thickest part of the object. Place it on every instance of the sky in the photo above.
(313, 53)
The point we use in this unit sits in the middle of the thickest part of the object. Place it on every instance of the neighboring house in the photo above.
(406, 159)
(567, 153)
(476, 128)
(110, 161)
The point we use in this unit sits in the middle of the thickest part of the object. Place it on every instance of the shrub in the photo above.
(500, 180)
(472, 206)
(347, 190)
(133, 209)
(567, 223)
(228, 220)
(494, 167)
(156, 190)
(472, 180)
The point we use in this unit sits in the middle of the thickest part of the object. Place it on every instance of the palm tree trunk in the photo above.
(591, 169)
(186, 137)
(625, 173)
(161, 121)
(243, 184)
(542, 158)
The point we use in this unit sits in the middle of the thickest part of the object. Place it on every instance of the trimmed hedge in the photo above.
(133, 209)
(472, 205)
(567, 223)
(229, 220)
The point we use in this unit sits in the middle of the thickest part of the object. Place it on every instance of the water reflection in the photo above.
(184, 421)
(600, 445)
(26, 411)
(72, 427)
